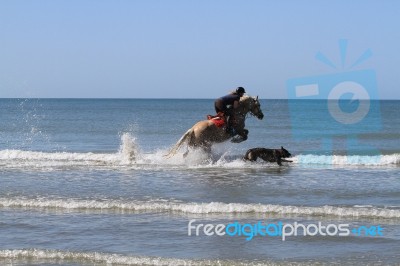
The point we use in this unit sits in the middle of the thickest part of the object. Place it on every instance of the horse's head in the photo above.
(255, 108)
(249, 104)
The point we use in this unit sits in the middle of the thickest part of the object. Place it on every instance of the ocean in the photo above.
(85, 182)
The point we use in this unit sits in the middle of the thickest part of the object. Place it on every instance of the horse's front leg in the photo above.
(242, 135)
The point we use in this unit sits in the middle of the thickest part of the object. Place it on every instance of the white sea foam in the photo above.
(131, 158)
(58, 256)
(376, 160)
(127, 155)
(130, 155)
(199, 208)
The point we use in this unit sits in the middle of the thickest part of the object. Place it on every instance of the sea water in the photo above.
(85, 182)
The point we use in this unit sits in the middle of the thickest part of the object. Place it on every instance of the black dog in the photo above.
(268, 155)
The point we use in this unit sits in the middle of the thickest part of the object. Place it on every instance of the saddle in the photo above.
(219, 119)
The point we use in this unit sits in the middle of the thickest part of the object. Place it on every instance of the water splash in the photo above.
(129, 148)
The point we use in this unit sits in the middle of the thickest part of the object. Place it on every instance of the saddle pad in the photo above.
(218, 121)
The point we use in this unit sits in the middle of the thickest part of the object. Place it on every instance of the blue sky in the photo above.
(189, 49)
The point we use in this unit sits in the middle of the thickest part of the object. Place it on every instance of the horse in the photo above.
(205, 133)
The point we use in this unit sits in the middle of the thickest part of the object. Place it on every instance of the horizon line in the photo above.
(146, 98)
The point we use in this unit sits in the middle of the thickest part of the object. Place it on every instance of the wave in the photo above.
(109, 259)
(376, 160)
(129, 155)
(200, 208)
(31, 159)
(126, 156)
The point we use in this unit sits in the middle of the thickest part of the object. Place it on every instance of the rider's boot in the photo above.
(229, 128)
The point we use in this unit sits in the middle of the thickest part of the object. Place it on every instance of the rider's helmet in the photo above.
(240, 90)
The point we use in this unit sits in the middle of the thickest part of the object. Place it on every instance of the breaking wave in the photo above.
(108, 258)
(376, 160)
(200, 208)
(129, 155)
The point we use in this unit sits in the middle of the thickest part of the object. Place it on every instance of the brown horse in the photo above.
(204, 133)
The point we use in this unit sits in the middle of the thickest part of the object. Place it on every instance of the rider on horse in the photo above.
(227, 104)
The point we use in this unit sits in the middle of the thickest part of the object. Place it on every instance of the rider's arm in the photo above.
(235, 104)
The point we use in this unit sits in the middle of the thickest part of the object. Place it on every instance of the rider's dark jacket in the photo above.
(221, 104)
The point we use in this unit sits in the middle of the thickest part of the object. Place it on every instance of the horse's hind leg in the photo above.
(206, 149)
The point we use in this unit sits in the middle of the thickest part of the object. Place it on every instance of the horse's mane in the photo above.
(245, 98)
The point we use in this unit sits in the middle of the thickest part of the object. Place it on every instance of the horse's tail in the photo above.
(186, 137)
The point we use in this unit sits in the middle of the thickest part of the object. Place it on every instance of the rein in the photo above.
(252, 101)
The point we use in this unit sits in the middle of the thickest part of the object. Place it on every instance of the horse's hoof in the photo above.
(237, 139)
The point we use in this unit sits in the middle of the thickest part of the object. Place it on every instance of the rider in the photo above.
(227, 104)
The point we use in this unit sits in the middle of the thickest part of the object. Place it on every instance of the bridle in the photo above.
(252, 104)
